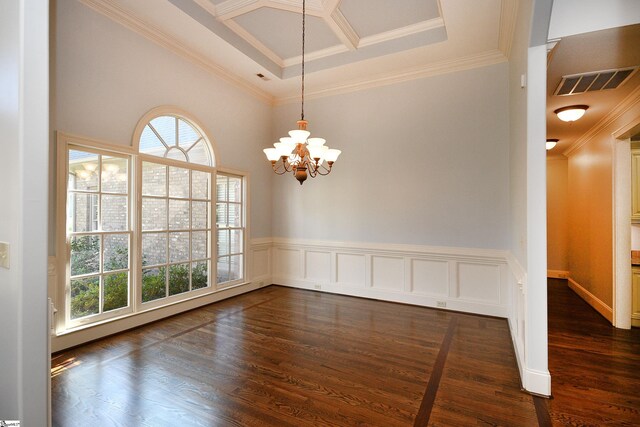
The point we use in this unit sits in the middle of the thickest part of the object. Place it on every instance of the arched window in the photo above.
(181, 236)
(172, 137)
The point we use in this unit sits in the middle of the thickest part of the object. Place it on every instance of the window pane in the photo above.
(150, 144)
(223, 269)
(199, 245)
(83, 171)
(154, 248)
(235, 189)
(154, 214)
(166, 128)
(221, 214)
(115, 291)
(187, 135)
(223, 242)
(114, 175)
(200, 184)
(178, 214)
(154, 179)
(199, 275)
(85, 255)
(83, 212)
(235, 219)
(114, 213)
(221, 188)
(199, 153)
(199, 215)
(153, 284)
(178, 279)
(178, 182)
(236, 241)
(178, 247)
(236, 268)
(176, 154)
(116, 252)
(85, 296)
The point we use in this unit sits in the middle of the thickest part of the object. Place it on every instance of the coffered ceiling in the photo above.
(350, 44)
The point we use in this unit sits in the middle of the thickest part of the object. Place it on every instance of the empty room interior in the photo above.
(320, 212)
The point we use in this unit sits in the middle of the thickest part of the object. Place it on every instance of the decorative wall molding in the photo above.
(517, 301)
(132, 22)
(592, 300)
(470, 280)
(626, 105)
(484, 59)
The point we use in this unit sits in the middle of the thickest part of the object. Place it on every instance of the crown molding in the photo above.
(508, 17)
(627, 104)
(132, 22)
(443, 67)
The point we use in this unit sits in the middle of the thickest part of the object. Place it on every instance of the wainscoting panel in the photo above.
(476, 282)
(387, 273)
(317, 266)
(429, 277)
(351, 270)
(470, 280)
(288, 262)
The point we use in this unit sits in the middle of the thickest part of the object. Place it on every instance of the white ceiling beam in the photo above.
(402, 32)
(342, 29)
(232, 8)
(253, 41)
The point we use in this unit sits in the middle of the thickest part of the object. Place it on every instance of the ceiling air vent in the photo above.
(591, 82)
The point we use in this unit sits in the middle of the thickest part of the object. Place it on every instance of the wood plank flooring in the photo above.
(595, 368)
(288, 357)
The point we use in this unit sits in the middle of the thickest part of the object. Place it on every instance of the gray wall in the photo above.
(107, 77)
(423, 162)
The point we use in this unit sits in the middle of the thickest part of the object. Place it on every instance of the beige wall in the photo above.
(590, 190)
(557, 214)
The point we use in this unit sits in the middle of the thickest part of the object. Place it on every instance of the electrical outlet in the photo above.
(441, 304)
(317, 287)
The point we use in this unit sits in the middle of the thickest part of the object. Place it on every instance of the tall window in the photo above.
(176, 206)
(99, 234)
(127, 254)
(230, 224)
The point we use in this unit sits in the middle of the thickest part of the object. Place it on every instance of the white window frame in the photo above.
(63, 323)
(243, 213)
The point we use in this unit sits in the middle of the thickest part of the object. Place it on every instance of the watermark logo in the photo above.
(9, 423)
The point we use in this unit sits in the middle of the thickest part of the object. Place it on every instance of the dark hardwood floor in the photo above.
(595, 368)
(288, 357)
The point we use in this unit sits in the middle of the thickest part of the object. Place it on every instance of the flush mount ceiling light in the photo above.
(298, 153)
(551, 143)
(571, 113)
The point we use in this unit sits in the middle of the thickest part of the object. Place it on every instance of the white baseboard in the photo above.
(592, 300)
(557, 274)
(537, 382)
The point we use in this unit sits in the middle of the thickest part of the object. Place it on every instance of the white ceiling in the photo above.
(350, 44)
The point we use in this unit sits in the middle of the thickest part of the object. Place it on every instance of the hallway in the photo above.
(595, 368)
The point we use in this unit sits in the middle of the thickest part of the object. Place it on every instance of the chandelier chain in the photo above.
(303, 31)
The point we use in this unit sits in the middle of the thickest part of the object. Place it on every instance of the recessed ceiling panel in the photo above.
(369, 17)
(281, 31)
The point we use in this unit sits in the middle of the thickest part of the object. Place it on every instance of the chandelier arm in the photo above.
(324, 168)
(281, 167)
